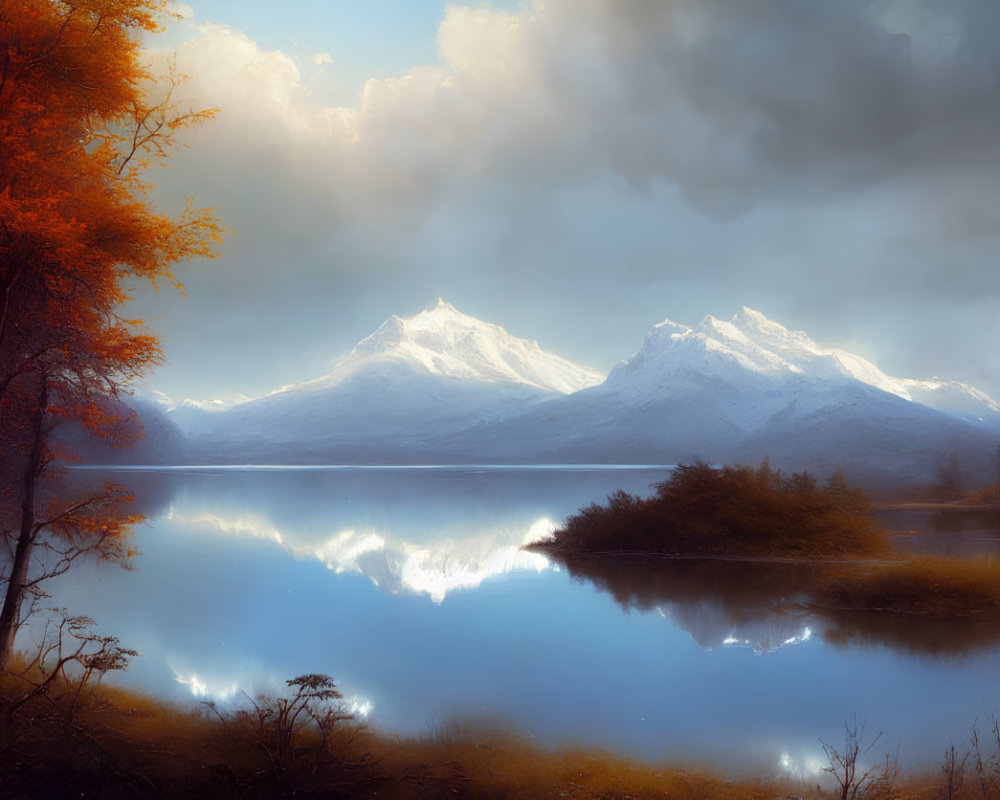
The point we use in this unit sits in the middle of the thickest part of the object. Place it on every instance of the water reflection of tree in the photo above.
(765, 605)
(757, 604)
(745, 589)
(923, 637)
(151, 491)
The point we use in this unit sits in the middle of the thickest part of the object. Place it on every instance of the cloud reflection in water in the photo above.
(208, 689)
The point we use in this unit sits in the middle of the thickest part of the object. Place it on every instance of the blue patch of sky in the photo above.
(364, 38)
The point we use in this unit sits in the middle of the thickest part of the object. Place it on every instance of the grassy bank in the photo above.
(109, 743)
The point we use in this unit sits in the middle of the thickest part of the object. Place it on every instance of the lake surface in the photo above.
(408, 586)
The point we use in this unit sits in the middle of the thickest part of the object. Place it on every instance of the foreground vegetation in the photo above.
(732, 511)
(107, 743)
(75, 739)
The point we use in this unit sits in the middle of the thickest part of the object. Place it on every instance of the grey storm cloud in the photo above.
(729, 100)
(773, 98)
(828, 161)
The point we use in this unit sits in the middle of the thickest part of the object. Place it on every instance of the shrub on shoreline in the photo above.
(114, 743)
(729, 511)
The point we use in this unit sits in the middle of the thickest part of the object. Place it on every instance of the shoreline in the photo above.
(152, 748)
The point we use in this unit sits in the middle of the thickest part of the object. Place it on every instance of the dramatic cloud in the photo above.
(579, 170)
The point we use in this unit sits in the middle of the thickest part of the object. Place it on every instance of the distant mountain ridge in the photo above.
(442, 386)
(764, 350)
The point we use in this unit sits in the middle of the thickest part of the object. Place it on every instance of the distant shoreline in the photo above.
(556, 552)
(320, 467)
(935, 506)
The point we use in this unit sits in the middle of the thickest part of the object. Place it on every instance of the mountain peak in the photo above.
(766, 331)
(441, 315)
(668, 330)
(752, 347)
(443, 341)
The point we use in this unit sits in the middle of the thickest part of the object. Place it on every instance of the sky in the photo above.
(579, 170)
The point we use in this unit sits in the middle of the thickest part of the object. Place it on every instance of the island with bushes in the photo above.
(729, 511)
(738, 513)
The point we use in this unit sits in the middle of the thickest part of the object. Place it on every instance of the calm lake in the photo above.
(408, 586)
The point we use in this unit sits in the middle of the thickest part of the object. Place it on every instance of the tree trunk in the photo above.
(10, 614)
(5, 308)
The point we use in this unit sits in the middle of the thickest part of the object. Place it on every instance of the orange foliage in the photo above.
(79, 125)
(76, 132)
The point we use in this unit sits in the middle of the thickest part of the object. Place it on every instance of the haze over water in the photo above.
(409, 587)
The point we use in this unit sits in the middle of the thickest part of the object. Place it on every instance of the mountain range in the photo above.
(444, 387)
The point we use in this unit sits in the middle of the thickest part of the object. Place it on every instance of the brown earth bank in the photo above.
(101, 742)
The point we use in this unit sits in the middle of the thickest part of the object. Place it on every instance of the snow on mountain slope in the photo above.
(404, 387)
(761, 358)
(443, 387)
(956, 399)
(444, 342)
(742, 389)
(674, 352)
(951, 397)
(727, 374)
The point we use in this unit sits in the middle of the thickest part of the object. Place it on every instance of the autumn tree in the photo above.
(81, 122)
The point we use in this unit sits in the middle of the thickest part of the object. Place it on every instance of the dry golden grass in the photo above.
(120, 744)
(928, 586)
(501, 765)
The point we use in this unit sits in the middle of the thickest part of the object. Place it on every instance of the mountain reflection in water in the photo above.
(433, 531)
(392, 564)
(250, 577)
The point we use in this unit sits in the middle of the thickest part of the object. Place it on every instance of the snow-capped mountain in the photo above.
(446, 343)
(744, 389)
(951, 397)
(770, 363)
(399, 391)
(443, 386)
